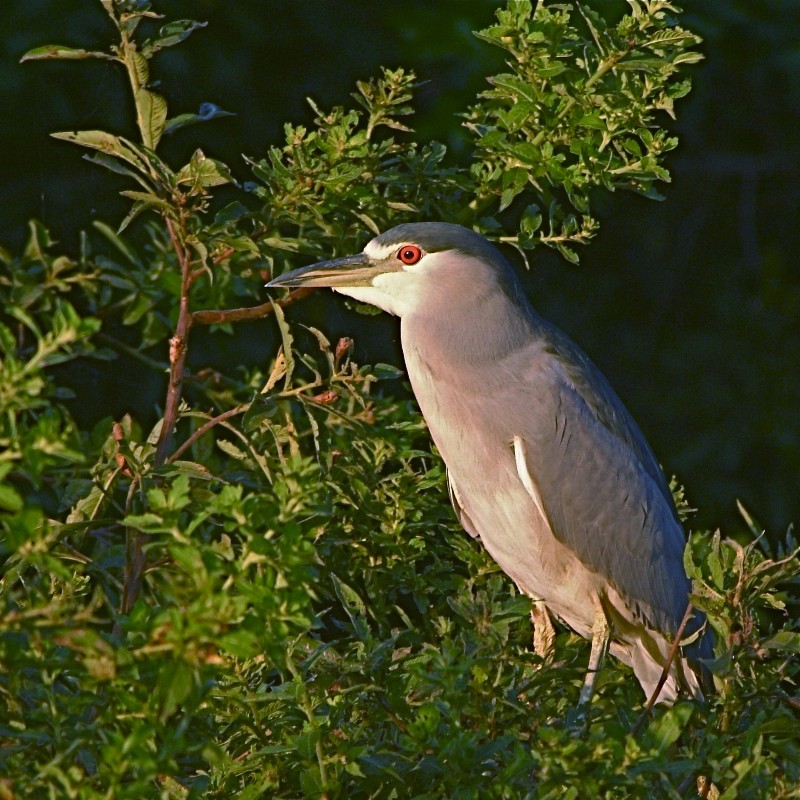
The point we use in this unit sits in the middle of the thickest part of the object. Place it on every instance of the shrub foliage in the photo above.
(266, 594)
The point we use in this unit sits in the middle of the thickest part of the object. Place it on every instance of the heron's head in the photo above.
(419, 264)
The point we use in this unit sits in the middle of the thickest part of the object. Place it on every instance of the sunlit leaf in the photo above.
(152, 112)
(57, 51)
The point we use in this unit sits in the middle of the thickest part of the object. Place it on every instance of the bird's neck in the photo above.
(466, 332)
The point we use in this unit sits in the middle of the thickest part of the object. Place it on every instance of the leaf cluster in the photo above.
(333, 181)
(281, 604)
(576, 112)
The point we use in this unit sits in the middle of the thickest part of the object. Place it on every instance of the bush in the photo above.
(266, 595)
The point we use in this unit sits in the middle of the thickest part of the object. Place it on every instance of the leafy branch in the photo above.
(574, 113)
(178, 197)
(314, 623)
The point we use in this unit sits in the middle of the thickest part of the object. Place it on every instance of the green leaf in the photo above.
(39, 241)
(106, 143)
(348, 596)
(230, 449)
(516, 86)
(665, 731)
(241, 244)
(202, 252)
(262, 408)
(141, 69)
(780, 726)
(241, 643)
(171, 34)
(305, 743)
(531, 220)
(231, 212)
(151, 109)
(26, 525)
(353, 605)
(143, 201)
(787, 641)
(672, 36)
(175, 682)
(89, 506)
(136, 209)
(145, 197)
(641, 64)
(204, 172)
(103, 160)
(57, 51)
(10, 498)
(140, 305)
(147, 523)
(207, 111)
(687, 58)
(119, 243)
(366, 309)
(568, 253)
(594, 121)
(288, 343)
(191, 469)
(714, 562)
(386, 372)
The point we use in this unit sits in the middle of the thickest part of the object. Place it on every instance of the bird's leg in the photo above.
(600, 635)
(544, 634)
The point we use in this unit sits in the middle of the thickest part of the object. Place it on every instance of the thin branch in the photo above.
(224, 315)
(226, 253)
(664, 672)
(229, 251)
(231, 412)
(178, 348)
(197, 273)
(794, 702)
(135, 556)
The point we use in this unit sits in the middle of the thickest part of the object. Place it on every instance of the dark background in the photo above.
(691, 306)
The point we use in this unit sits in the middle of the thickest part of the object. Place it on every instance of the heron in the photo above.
(545, 465)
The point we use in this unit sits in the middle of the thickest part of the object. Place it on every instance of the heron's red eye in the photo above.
(409, 254)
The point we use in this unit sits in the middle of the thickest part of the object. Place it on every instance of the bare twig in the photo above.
(221, 316)
(664, 672)
(231, 412)
(226, 253)
(178, 348)
(135, 557)
(794, 702)
(229, 251)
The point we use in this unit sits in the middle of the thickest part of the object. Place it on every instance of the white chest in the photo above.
(473, 428)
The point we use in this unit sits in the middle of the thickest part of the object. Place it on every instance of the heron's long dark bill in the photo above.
(355, 270)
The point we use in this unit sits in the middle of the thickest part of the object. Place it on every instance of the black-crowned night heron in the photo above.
(545, 464)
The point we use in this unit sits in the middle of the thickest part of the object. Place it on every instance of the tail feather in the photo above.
(699, 652)
(647, 652)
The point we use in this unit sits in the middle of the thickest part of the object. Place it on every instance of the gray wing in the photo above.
(604, 503)
(596, 392)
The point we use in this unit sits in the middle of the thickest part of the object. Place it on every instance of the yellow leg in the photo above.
(544, 634)
(600, 634)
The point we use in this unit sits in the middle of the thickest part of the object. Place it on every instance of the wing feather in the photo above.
(606, 506)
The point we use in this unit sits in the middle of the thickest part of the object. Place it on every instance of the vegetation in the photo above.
(266, 594)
